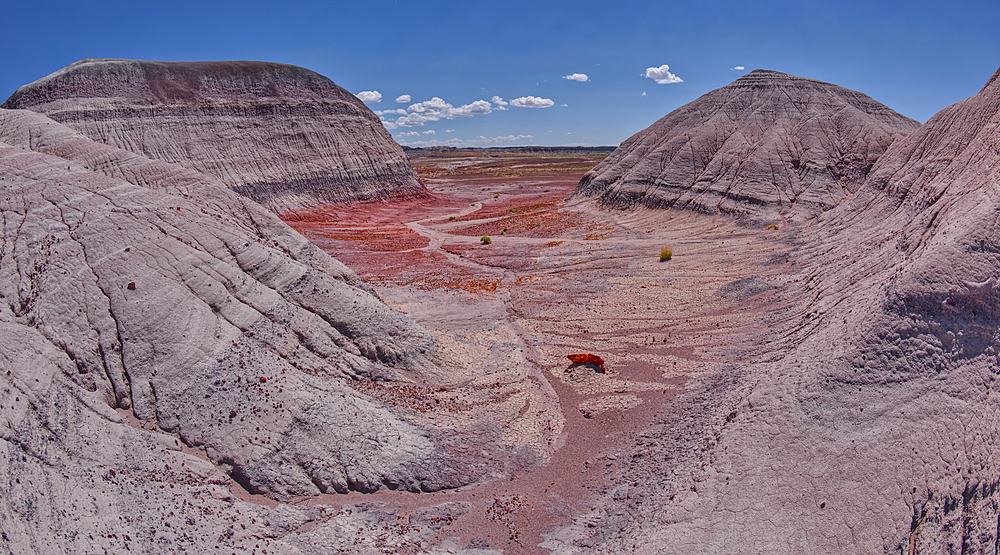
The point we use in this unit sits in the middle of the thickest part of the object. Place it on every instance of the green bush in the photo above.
(485, 240)
(666, 253)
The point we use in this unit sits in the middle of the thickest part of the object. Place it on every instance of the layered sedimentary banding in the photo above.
(282, 135)
(876, 428)
(765, 147)
(151, 289)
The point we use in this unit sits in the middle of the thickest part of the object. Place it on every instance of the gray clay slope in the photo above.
(153, 289)
(282, 135)
(765, 147)
(879, 430)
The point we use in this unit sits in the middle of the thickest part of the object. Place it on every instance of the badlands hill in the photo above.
(765, 147)
(139, 294)
(282, 135)
(875, 427)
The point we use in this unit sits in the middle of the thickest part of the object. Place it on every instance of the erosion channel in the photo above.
(558, 277)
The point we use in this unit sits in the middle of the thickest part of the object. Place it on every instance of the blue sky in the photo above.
(916, 57)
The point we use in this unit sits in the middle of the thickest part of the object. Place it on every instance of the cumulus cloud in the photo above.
(370, 97)
(477, 108)
(564, 105)
(410, 134)
(449, 142)
(449, 130)
(481, 140)
(403, 98)
(400, 112)
(484, 141)
(388, 124)
(739, 68)
(531, 102)
(662, 75)
(437, 109)
(432, 105)
(429, 132)
(643, 93)
(500, 104)
(581, 77)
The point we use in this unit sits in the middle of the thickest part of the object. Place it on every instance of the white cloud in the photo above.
(567, 133)
(400, 112)
(429, 132)
(449, 130)
(643, 93)
(662, 75)
(564, 105)
(581, 77)
(449, 142)
(410, 134)
(414, 120)
(481, 140)
(531, 102)
(739, 68)
(388, 124)
(437, 109)
(433, 105)
(500, 104)
(403, 98)
(477, 108)
(370, 97)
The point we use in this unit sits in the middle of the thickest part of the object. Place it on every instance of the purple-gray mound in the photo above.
(138, 284)
(876, 428)
(765, 147)
(282, 135)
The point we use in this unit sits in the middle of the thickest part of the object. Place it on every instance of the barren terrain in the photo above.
(501, 365)
(556, 279)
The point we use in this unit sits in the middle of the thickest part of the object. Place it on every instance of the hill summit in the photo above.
(282, 135)
(767, 146)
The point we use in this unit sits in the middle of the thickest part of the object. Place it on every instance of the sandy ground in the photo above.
(562, 278)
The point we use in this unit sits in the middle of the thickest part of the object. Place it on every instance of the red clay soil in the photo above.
(595, 287)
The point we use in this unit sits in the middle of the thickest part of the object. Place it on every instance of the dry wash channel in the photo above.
(556, 279)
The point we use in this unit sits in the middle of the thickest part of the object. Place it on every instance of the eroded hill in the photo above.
(767, 147)
(282, 135)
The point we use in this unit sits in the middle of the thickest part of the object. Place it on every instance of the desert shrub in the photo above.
(666, 253)
(771, 226)
(485, 240)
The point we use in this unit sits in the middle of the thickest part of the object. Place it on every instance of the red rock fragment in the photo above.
(131, 286)
(587, 359)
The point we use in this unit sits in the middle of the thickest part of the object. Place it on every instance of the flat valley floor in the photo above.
(559, 277)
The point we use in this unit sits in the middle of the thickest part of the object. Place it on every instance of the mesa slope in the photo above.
(282, 135)
(767, 147)
(166, 342)
(874, 427)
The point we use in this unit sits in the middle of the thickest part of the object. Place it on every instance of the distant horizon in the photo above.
(527, 73)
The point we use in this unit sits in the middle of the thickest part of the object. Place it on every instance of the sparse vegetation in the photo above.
(451, 218)
(771, 226)
(666, 253)
(485, 240)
